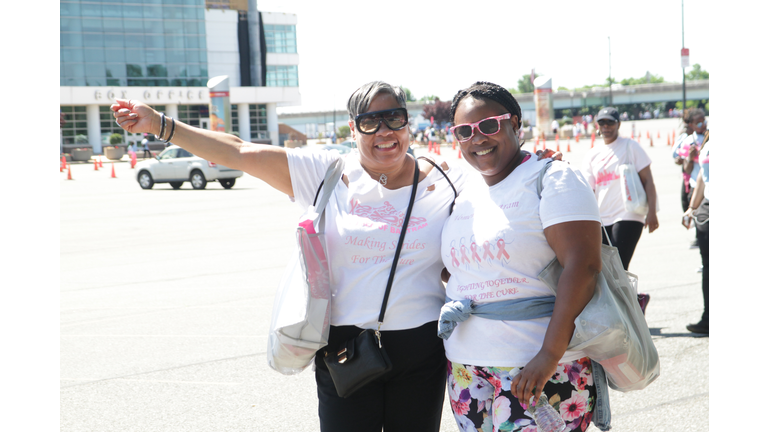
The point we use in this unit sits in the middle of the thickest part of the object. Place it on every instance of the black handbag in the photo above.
(360, 360)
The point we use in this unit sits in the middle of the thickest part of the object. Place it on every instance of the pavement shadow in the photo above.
(657, 332)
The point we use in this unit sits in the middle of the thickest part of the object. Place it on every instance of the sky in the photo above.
(437, 50)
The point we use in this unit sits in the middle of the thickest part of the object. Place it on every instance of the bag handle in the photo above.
(332, 176)
(455, 194)
(399, 245)
(540, 186)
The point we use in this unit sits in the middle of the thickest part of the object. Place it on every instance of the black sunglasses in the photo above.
(370, 122)
(606, 122)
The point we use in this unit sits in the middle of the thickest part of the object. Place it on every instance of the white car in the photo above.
(176, 165)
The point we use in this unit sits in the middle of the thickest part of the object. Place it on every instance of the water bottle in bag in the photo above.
(546, 418)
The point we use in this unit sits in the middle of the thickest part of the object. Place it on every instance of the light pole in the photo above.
(610, 81)
(682, 6)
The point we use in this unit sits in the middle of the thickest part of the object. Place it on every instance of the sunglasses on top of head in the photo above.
(370, 122)
(487, 126)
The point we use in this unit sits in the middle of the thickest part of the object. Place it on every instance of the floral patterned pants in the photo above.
(482, 402)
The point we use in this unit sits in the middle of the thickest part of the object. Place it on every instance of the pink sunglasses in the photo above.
(488, 126)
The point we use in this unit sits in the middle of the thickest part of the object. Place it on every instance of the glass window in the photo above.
(192, 42)
(173, 12)
(74, 70)
(193, 56)
(153, 11)
(134, 41)
(190, 27)
(175, 27)
(154, 41)
(169, 154)
(114, 40)
(115, 55)
(71, 55)
(70, 24)
(282, 76)
(92, 24)
(94, 54)
(113, 24)
(157, 70)
(134, 55)
(134, 70)
(174, 41)
(155, 56)
(185, 154)
(115, 70)
(69, 9)
(95, 70)
(91, 9)
(133, 11)
(153, 26)
(72, 82)
(280, 38)
(175, 56)
(190, 13)
(112, 10)
(94, 40)
(133, 25)
(71, 39)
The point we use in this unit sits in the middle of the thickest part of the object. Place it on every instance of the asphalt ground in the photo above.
(166, 296)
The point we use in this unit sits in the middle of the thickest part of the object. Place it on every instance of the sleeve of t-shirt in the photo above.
(307, 169)
(641, 159)
(566, 196)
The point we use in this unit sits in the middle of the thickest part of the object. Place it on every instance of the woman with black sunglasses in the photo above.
(363, 220)
(504, 359)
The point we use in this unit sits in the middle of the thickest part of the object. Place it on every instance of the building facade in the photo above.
(163, 52)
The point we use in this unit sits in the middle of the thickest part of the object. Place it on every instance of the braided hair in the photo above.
(490, 91)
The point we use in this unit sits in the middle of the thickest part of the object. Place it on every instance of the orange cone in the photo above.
(651, 142)
(568, 149)
(577, 139)
(113, 170)
(647, 134)
(535, 145)
(95, 165)
(544, 145)
(438, 149)
(454, 144)
(668, 143)
(101, 163)
(63, 164)
(133, 160)
(69, 172)
(658, 134)
(673, 136)
(459, 153)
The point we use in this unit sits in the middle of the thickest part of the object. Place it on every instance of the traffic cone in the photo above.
(438, 149)
(568, 149)
(62, 164)
(95, 165)
(544, 145)
(459, 153)
(101, 163)
(535, 145)
(133, 160)
(454, 144)
(673, 136)
(593, 141)
(577, 139)
(651, 141)
(69, 172)
(668, 143)
(647, 134)
(658, 134)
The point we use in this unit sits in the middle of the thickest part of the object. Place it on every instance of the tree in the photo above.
(697, 73)
(430, 98)
(409, 97)
(648, 78)
(440, 111)
(524, 84)
(343, 132)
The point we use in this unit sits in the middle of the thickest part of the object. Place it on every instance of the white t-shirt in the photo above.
(601, 169)
(494, 247)
(362, 230)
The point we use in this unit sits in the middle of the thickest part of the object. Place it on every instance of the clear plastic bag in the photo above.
(611, 329)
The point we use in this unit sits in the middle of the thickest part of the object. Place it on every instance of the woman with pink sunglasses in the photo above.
(506, 335)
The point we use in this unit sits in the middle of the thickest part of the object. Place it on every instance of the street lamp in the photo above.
(610, 81)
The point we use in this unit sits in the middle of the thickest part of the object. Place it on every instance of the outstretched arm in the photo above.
(265, 162)
(577, 247)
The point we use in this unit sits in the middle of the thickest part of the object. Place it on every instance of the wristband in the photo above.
(162, 126)
(173, 129)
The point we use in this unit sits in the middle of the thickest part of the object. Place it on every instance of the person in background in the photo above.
(688, 153)
(555, 125)
(698, 214)
(145, 146)
(601, 169)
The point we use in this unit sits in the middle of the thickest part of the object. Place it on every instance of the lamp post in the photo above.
(610, 81)
(682, 6)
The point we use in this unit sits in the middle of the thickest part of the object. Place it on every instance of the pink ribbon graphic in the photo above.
(454, 261)
(500, 245)
(475, 256)
(464, 254)
(487, 251)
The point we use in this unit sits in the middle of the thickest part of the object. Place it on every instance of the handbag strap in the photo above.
(332, 176)
(540, 186)
(403, 229)
(455, 194)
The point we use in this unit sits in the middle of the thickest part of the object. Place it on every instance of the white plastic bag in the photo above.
(302, 309)
(611, 329)
(632, 190)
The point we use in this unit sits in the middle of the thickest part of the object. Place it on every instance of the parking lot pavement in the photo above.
(166, 297)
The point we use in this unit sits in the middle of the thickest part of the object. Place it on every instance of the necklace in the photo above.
(382, 177)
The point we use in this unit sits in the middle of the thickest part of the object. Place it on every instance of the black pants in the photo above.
(703, 238)
(145, 153)
(624, 236)
(685, 197)
(408, 398)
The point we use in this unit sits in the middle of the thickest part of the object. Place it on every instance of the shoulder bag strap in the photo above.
(332, 175)
(455, 194)
(400, 242)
